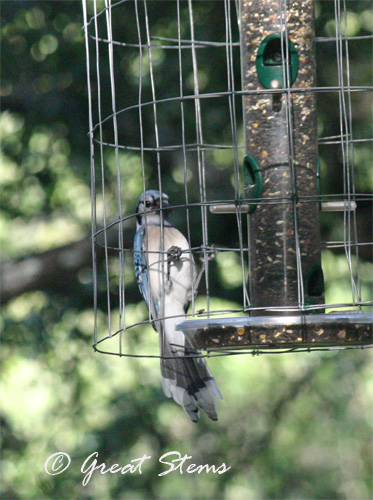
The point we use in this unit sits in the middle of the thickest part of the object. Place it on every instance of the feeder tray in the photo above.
(340, 329)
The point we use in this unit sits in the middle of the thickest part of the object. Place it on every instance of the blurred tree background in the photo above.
(291, 426)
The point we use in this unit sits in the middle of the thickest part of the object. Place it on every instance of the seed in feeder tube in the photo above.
(342, 334)
(240, 331)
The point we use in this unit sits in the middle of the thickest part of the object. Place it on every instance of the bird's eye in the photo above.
(147, 203)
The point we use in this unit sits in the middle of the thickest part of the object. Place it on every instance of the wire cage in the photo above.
(247, 114)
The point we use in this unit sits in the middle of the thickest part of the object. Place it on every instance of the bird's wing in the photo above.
(141, 271)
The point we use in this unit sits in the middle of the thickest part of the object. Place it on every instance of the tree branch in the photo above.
(55, 268)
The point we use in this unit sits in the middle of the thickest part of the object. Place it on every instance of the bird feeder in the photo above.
(281, 192)
(281, 144)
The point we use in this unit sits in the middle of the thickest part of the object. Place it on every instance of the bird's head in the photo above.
(149, 206)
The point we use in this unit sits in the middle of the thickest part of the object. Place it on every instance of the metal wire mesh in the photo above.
(166, 112)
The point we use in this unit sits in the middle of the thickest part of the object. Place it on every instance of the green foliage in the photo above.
(291, 426)
(303, 417)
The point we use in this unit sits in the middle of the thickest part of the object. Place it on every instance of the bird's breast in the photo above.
(167, 277)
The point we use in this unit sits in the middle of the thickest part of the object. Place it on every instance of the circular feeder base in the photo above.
(341, 329)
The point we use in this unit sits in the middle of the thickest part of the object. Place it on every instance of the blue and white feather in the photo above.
(166, 274)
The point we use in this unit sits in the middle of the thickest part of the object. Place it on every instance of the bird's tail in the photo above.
(185, 377)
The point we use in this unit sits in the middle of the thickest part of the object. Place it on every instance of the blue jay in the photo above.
(166, 275)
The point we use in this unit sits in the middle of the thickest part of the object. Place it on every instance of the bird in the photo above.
(166, 275)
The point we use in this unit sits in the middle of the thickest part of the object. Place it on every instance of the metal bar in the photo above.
(326, 206)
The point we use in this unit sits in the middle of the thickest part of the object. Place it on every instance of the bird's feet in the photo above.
(210, 254)
(173, 255)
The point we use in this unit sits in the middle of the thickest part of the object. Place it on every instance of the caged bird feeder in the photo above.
(258, 73)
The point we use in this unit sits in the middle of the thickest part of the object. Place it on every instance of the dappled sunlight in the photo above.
(338, 282)
(230, 269)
